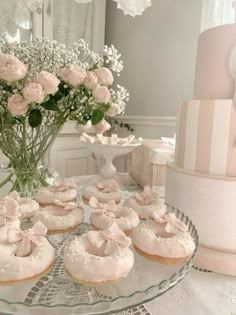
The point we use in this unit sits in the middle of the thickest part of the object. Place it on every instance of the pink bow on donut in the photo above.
(26, 238)
(8, 210)
(173, 225)
(103, 208)
(64, 185)
(108, 186)
(146, 196)
(67, 205)
(111, 239)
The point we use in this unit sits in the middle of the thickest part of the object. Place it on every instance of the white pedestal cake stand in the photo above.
(109, 152)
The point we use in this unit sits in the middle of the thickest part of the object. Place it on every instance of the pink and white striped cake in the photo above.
(206, 135)
(202, 180)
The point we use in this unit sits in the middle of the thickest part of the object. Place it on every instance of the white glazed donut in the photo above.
(59, 190)
(9, 216)
(145, 203)
(27, 206)
(61, 217)
(165, 239)
(104, 214)
(99, 256)
(27, 255)
(104, 191)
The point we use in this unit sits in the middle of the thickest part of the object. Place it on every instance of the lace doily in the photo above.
(130, 7)
(133, 7)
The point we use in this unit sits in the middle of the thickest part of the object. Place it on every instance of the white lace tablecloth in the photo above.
(199, 293)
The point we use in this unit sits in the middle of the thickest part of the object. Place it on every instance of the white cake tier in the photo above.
(205, 137)
(213, 78)
(209, 201)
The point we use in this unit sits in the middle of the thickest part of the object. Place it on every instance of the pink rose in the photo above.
(48, 81)
(11, 68)
(101, 94)
(73, 74)
(102, 126)
(91, 80)
(17, 105)
(104, 75)
(114, 110)
(33, 92)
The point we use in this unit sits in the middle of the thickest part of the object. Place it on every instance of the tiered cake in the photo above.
(202, 180)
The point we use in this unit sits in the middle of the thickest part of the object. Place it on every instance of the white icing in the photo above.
(13, 268)
(152, 239)
(125, 218)
(101, 196)
(145, 211)
(83, 265)
(27, 206)
(113, 140)
(49, 195)
(57, 218)
(3, 229)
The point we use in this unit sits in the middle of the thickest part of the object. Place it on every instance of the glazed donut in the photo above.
(104, 214)
(99, 256)
(145, 203)
(63, 191)
(61, 217)
(27, 255)
(9, 216)
(164, 239)
(104, 191)
(27, 206)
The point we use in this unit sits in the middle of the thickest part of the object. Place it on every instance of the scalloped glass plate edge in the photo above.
(119, 303)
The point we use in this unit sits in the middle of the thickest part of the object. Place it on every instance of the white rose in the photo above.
(73, 74)
(91, 80)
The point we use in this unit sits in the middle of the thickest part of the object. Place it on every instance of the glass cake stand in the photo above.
(56, 294)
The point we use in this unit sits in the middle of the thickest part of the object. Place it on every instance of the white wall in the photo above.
(159, 51)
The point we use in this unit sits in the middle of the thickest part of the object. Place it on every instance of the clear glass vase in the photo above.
(25, 159)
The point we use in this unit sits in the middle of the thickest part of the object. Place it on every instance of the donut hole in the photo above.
(94, 251)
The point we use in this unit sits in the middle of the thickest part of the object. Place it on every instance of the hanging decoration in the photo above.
(130, 7)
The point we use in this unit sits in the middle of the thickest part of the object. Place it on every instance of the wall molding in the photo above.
(165, 121)
(141, 124)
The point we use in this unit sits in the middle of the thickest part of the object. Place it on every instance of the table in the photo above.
(199, 293)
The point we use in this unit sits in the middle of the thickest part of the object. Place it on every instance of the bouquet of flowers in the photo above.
(42, 85)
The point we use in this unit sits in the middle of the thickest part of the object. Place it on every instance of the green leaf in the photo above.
(51, 105)
(6, 86)
(58, 95)
(104, 107)
(62, 89)
(35, 118)
(97, 116)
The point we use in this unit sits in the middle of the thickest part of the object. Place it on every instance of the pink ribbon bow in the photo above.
(64, 185)
(111, 239)
(67, 205)
(108, 186)
(146, 196)
(27, 238)
(103, 208)
(173, 225)
(8, 210)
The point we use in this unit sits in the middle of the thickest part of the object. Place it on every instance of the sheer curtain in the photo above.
(217, 12)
